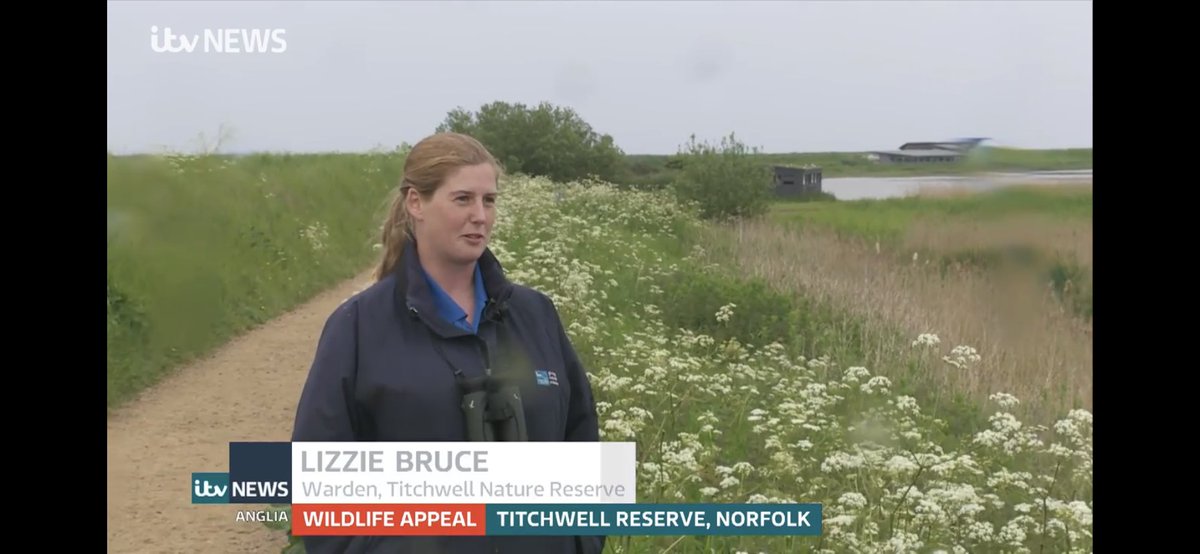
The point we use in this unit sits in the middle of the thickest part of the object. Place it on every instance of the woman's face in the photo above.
(455, 225)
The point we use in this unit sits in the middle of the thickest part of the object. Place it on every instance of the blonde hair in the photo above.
(425, 169)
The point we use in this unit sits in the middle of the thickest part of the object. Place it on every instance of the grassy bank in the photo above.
(654, 170)
(737, 392)
(733, 389)
(200, 248)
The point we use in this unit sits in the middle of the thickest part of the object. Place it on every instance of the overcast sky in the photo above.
(785, 76)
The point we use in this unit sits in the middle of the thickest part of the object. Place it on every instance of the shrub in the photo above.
(546, 140)
(725, 180)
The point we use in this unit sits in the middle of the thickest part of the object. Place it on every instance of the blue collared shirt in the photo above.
(450, 311)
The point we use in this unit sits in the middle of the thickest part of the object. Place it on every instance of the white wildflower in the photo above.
(841, 461)
(852, 501)
(1059, 451)
(900, 465)
(907, 404)
(1004, 399)
(980, 531)
(927, 339)
(962, 357)
(1012, 534)
(855, 374)
(1080, 511)
(877, 384)
(315, 234)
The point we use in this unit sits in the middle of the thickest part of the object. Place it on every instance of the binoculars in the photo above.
(493, 411)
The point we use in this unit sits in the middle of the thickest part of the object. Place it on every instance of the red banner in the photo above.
(389, 519)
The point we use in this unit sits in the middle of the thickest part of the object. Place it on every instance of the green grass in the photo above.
(767, 395)
(658, 170)
(889, 219)
(201, 248)
(762, 406)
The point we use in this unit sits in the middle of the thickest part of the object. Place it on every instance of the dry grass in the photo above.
(1067, 239)
(983, 183)
(1030, 345)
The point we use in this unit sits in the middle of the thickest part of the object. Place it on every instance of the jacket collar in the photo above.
(414, 298)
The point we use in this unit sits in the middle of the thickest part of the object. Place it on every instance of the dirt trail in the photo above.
(247, 390)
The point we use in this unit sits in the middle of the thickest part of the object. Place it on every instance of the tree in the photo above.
(545, 140)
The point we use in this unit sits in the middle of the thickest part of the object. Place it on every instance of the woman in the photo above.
(394, 361)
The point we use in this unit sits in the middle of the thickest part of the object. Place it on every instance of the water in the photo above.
(855, 188)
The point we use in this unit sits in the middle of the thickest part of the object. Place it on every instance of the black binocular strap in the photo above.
(501, 344)
(437, 345)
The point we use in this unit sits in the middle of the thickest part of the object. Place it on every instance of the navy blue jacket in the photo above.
(385, 368)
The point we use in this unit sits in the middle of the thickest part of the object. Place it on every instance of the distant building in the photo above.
(927, 152)
(913, 155)
(792, 181)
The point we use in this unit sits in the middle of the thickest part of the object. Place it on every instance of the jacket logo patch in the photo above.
(546, 378)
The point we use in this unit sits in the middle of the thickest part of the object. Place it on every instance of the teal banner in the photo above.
(654, 519)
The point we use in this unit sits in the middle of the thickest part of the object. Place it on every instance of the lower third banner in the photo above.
(556, 519)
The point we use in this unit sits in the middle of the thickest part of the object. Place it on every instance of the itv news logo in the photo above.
(220, 41)
(216, 488)
(259, 473)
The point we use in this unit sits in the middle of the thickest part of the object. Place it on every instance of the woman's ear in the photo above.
(412, 203)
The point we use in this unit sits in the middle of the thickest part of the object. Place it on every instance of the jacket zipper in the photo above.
(487, 360)
(483, 347)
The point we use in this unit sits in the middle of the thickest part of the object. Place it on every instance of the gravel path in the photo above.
(245, 391)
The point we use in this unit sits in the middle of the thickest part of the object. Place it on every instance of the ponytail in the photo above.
(395, 232)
